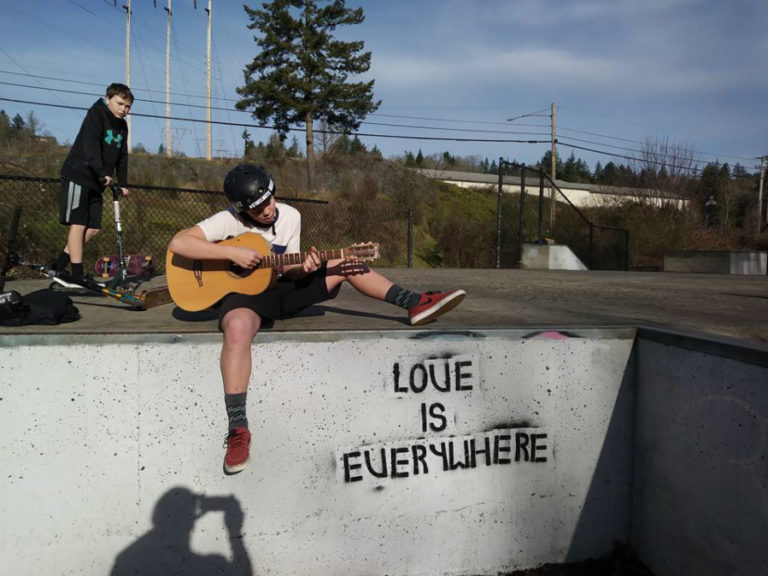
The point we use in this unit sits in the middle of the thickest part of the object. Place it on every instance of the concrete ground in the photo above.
(712, 304)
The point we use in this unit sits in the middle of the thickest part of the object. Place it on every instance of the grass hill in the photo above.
(453, 227)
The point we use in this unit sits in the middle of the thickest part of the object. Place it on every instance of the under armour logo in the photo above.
(111, 137)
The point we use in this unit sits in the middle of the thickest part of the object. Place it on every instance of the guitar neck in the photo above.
(280, 260)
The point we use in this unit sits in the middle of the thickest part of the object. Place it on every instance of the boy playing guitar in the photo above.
(310, 279)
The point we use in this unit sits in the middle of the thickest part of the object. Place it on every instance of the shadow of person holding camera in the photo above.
(165, 549)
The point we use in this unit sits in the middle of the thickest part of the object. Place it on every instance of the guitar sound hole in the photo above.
(239, 271)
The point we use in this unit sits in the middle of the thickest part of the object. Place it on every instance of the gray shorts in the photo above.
(78, 205)
(287, 298)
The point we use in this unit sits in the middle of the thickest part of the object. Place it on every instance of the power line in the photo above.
(566, 143)
(693, 170)
(241, 124)
(683, 148)
(404, 126)
(374, 135)
(218, 108)
(639, 152)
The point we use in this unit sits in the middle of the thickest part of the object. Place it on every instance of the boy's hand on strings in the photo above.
(312, 261)
(244, 257)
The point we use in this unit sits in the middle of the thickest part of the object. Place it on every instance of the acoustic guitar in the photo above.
(198, 284)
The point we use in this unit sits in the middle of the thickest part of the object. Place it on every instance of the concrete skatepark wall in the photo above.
(701, 456)
(374, 453)
(717, 261)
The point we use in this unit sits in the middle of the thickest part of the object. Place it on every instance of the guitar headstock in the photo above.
(362, 251)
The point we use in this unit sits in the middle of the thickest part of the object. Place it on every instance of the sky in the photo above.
(475, 78)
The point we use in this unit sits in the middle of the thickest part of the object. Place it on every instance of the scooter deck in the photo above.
(123, 296)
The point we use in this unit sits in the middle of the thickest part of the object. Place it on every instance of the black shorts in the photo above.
(78, 205)
(286, 299)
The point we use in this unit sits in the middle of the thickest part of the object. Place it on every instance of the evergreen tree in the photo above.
(570, 173)
(610, 174)
(597, 175)
(356, 147)
(32, 124)
(546, 164)
(5, 126)
(738, 170)
(294, 151)
(274, 151)
(18, 123)
(711, 186)
(301, 73)
(348, 146)
(248, 145)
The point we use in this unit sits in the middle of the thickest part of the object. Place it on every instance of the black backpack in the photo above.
(44, 306)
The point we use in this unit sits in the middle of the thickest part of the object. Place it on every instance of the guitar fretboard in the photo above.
(279, 260)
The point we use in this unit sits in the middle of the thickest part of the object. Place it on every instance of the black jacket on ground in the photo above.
(99, 149)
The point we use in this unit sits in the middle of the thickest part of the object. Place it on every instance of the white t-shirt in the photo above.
(283, 236)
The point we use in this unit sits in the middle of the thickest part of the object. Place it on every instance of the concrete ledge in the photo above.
(717, 261)
(403, 452)
(547, 257)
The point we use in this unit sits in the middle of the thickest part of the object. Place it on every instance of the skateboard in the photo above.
(135, 264)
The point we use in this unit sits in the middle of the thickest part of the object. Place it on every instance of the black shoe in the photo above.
(85, 281)
(88, 280)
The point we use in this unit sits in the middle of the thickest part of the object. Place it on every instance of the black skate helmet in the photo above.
(248, 186)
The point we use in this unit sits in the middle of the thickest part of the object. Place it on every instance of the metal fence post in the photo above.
(626, 249)
(541, 205)
(522, 209)
(410, 237)
(498, 214)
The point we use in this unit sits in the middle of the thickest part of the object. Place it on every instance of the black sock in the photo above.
(402, 297)
(61, 262)
(236, 410)
(77, 270)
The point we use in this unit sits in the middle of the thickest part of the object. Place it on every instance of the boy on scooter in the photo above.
(100, 149)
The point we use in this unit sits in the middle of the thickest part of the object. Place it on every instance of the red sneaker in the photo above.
(237, 443)
(434, 304)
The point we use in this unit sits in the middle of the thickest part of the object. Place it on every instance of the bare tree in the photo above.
(666, 171)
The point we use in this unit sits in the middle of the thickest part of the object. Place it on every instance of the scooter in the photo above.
(120, 289)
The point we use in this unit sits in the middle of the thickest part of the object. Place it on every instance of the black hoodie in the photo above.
(99, 149)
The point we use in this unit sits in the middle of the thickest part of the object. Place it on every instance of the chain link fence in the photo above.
(151, 215)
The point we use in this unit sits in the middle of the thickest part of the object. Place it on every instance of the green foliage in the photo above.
(453, 227)
(463, 224)
(652, 230)
(344, 145)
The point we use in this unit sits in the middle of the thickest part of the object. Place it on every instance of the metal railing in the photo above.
(600, 247)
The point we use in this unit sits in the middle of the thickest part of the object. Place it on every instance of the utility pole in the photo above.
(209, 147)
(168, 136)
(553, 172)
(760, 197)
(127, 8)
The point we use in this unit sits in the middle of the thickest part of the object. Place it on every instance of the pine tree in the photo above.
(248, 144)
(301, 73)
